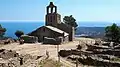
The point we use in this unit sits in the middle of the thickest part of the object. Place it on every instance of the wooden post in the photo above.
(58, 53)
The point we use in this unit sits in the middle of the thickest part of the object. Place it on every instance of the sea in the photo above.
(26, 27)
(29, 26)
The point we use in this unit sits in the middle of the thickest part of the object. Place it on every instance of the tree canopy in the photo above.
(70, 20)
(18, 33)
(112, 33)
(2, 31)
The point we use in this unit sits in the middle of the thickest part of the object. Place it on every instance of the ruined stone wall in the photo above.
(9, 58)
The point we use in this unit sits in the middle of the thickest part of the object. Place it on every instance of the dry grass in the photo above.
(1, 45)
(49, 63)
(115, 59)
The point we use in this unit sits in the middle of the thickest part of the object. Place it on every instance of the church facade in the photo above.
(54, 30)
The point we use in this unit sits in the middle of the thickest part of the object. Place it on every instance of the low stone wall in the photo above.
(54, 41)
(29, 39)
(7, 41)
(89, 58)
(93, 62)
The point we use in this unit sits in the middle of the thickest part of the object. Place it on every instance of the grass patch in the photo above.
(1, 45)
(49, 63)
(115, 59)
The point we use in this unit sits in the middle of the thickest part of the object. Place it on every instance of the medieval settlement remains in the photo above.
(77, 52)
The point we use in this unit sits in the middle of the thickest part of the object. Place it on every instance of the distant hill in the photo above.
(91, 31)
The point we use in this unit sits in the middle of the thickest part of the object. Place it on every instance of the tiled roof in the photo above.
(57, 30)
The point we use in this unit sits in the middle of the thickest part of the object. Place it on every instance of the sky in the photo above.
(82, 10)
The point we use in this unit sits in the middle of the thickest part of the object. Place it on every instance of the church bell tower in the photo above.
(52, 17)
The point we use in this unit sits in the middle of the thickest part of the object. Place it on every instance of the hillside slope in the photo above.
(91, 31)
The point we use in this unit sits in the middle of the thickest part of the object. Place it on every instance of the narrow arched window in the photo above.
(54, 10)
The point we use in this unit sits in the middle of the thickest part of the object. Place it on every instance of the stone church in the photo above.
(54, 30)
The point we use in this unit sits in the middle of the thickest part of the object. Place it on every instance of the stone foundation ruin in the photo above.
(95, 55)
(9, 58)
